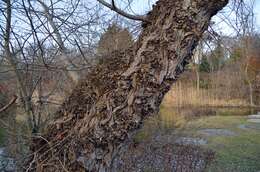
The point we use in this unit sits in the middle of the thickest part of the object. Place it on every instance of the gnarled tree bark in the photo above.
(104, 109)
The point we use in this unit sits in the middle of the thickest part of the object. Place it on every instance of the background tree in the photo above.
(217, 57)
(114, 38)
(204, 65)
(252, 68)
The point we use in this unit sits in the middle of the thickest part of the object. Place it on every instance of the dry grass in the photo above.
(181, 96)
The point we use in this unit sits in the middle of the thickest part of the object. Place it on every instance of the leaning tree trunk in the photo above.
(90, 128)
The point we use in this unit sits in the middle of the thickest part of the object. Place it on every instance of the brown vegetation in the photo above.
(227, 86)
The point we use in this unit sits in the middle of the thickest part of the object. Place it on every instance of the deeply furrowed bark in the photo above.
(93, 123)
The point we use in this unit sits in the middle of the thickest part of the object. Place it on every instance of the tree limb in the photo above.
(9, 104)
(123, 13)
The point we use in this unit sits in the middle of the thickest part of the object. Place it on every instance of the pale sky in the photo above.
(257, 12)
(143, 6)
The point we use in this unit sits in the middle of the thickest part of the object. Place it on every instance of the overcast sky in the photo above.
(145, 5)
(257, 12)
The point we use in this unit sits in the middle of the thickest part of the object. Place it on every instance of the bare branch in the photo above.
(123, 13)
(9, 104)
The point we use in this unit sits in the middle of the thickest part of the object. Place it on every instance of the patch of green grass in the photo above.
(239, 153)
(236, 154)
(234, 111)
(227, 122)
(170, 118)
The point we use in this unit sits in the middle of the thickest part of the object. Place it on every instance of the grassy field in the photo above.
(238, 153)
(235, 153)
